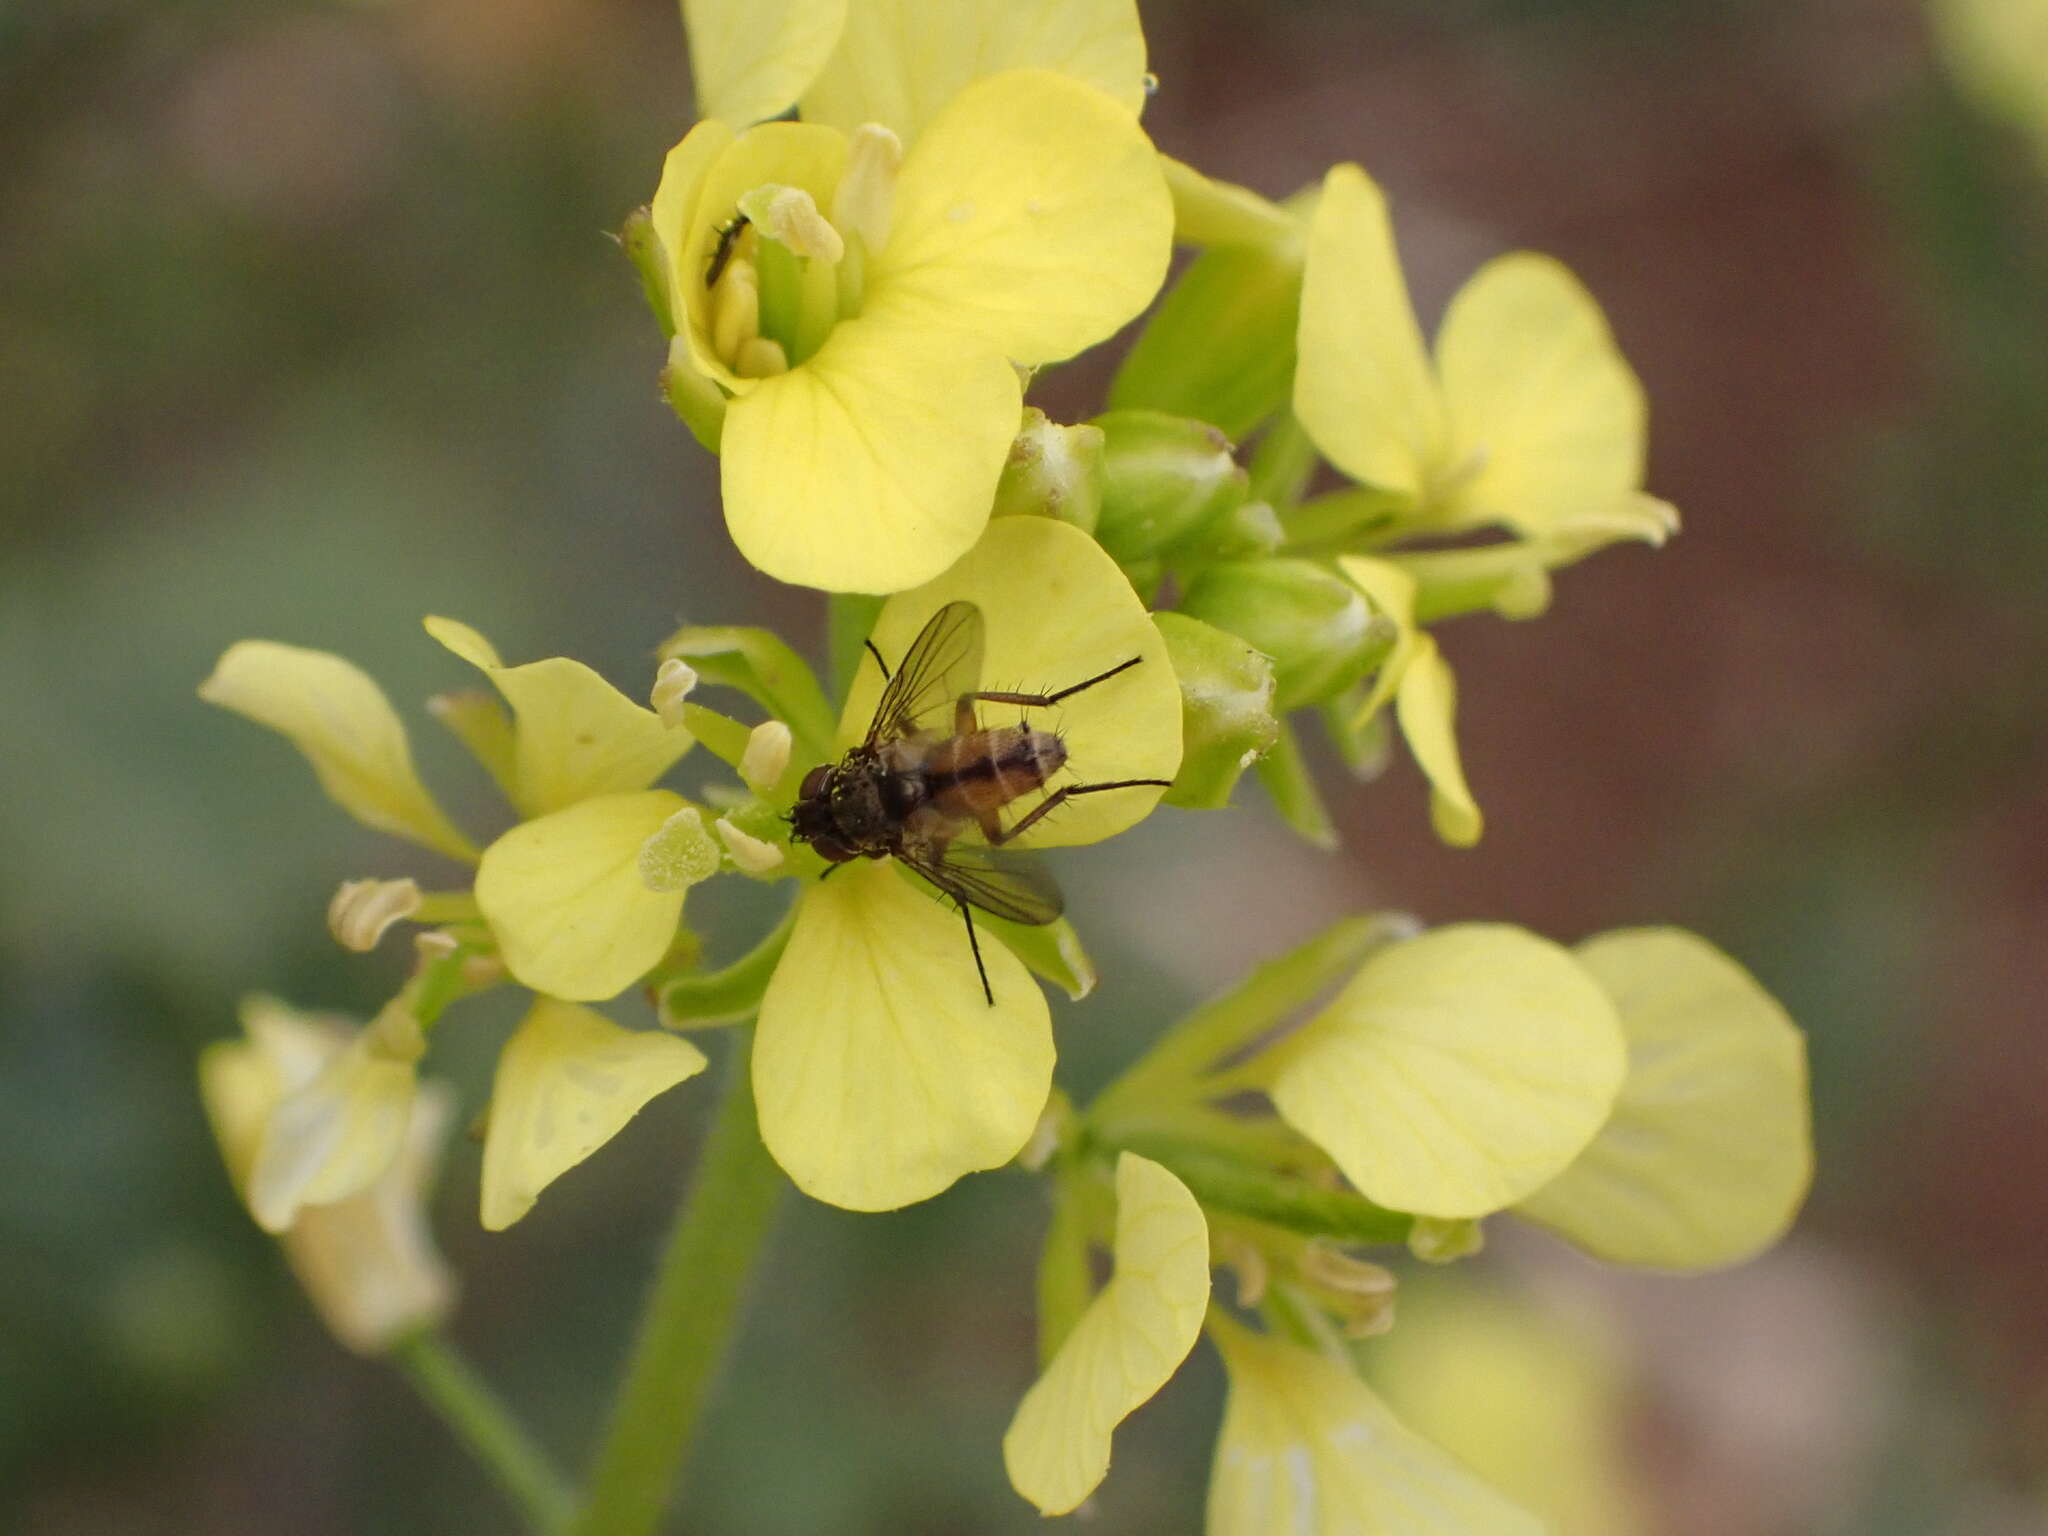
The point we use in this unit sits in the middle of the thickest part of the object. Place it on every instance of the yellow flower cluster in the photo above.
(891, 213)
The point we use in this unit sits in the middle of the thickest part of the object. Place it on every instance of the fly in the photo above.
(912, 791)
(728, 237)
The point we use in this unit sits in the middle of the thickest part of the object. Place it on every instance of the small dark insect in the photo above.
(728, 237)
(910, 790)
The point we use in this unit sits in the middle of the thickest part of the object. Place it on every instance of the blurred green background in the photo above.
(310, 327)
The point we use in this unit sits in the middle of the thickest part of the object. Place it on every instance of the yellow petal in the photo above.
(1308, 1449)
(578, 736)
(1133, 1336)
(873, 466)
(1057, 610)
(881, 1073)
(566, 899)
(673, 214)
(568, 1081)
(369, 1263)
(341, 721)
(336, 1135)
(1456, 1073)
(802, 156)
(1427, 703)
(1363, 387)
(900, 61)
(1541, 398)
(1709, 1151)
(752, 59)
(1032, 214)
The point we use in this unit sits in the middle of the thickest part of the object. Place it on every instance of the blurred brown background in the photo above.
(310, 327)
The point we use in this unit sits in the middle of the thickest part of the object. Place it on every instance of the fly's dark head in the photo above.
(811, 819)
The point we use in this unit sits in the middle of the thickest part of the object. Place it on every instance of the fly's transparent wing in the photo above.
(998, 880)
(943, 662)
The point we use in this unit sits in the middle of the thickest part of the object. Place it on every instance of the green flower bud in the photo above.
(1164, 478)
(1053, 471)
(1227, 718)
(1318, 628)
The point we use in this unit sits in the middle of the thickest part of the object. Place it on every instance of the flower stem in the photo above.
(690, 1317)
(522, 1469)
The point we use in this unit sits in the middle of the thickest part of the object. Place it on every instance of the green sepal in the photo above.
(763, 667)
(1227, 718)
(732, 993)
(1284, 462)
(1343, 520)
(1220, 347)
(1363, 741)
(696, 399)
(1286, 775)
(642, 246)
(1066, 1280)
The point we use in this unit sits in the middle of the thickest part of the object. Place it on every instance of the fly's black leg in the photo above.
(974, 944)
(1045, 700)
(878, 658)
(1061, 796)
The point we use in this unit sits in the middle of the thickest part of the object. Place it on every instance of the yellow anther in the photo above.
(749, 854)
(364, 910)
(672, 686)
(766, 757)
(867, 191)
(760, 358)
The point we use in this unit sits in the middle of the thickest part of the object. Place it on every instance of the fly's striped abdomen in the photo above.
(974, 775)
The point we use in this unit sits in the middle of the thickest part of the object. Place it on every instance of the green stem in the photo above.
(482, 1423)
(689, 1319)
(850, 616)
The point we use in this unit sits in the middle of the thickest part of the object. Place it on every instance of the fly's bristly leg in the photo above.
(1058, 798)
(878, 659)
(974, 943)
(1046, 700)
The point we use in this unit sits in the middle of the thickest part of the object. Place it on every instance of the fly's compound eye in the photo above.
(831, 850)
(814, 782)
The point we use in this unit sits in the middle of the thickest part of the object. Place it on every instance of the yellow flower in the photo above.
(881, 1070)
(1709, 1151)
(1529, 418)
(358, 1243)
(1309, 1449)
(865, 321)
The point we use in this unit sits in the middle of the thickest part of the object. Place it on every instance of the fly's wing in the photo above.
(1000, 881)
(943, 662)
